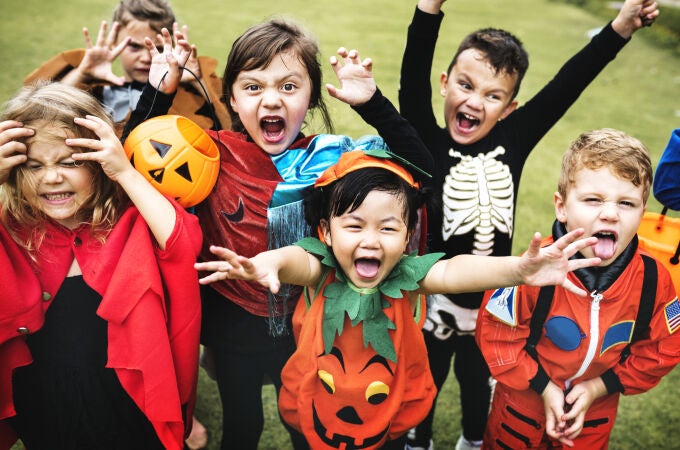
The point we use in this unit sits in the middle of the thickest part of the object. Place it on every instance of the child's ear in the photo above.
(443, 79)
(508, 109)
(325, 232)
(560, 208)
(232, 102)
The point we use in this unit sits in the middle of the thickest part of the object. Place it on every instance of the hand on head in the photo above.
(357, 84)
(107, 150)
(12, 151)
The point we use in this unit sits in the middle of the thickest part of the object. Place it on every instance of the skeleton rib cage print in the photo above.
(478, 195)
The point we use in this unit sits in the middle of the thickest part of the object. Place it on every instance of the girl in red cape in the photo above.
(99, 301)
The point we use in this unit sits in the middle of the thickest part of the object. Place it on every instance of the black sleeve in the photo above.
(398, 133)
(540, 113)
(539, 381)
(612, 382)
(152, 103)
(415, 89)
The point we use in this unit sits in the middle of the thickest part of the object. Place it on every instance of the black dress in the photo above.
(68, 399)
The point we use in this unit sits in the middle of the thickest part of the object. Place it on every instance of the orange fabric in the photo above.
(352, 395)
(355, 160)
(519, 422)
(660, 235)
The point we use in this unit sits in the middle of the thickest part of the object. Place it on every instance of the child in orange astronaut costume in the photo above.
(561, 362)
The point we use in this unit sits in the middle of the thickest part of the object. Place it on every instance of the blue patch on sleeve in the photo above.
(563, 332)
(619, 333)
(503, 305)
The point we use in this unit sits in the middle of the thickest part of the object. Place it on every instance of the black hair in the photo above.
(349, 192)
(503, 51)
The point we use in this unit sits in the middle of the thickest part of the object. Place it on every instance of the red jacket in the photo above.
(150, 299)
(573, 347)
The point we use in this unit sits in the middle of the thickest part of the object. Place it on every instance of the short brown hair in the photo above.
(624, 155)
(158, 13)
(501, 49)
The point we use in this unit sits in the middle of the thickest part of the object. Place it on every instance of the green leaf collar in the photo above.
(366, 305)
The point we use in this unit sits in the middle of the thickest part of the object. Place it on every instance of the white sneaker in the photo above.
(464, 444)
(429, 447)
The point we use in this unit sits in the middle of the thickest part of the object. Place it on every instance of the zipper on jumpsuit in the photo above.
(594, 337)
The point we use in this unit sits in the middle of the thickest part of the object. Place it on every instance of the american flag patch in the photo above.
(672, 311)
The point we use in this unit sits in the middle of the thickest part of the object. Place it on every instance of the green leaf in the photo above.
(377, 336)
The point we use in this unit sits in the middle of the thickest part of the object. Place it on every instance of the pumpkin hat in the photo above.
(359, 159)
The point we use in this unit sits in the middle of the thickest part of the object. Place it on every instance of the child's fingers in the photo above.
(571, 287)
(213, 277)
(88, 41)
(101, 36)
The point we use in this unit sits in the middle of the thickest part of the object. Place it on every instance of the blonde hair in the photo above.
(624, 155)
(49, 109)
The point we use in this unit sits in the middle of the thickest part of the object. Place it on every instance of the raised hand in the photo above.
(192, 62)
(430, 6)
(164, 73)
(633, 15)
(236, 267)
(357, 84)
(550, 265)
(97, 62)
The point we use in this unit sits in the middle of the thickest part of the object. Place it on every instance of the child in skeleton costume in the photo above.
(479, 155)
(272, 80)
(359, 377)
(562, 361)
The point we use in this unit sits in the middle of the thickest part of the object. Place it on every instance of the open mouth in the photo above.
(57, 197)
(367, 268)
(272, 129)
(466, 121)
(606, 244)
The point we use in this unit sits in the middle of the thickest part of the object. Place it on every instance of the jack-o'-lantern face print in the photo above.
(351, 406)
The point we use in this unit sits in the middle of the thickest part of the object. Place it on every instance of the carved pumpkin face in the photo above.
(177, 157)
(353, 398)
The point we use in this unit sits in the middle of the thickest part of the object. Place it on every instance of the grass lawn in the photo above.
(638, 93)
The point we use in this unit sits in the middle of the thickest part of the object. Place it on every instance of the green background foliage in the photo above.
(637, 92)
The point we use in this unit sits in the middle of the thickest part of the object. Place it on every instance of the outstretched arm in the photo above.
(97, 62)
(537, 267)
(633, 15)
(157, 210)
(290, 264)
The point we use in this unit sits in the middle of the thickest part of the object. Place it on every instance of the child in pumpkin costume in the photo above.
(361, 289)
